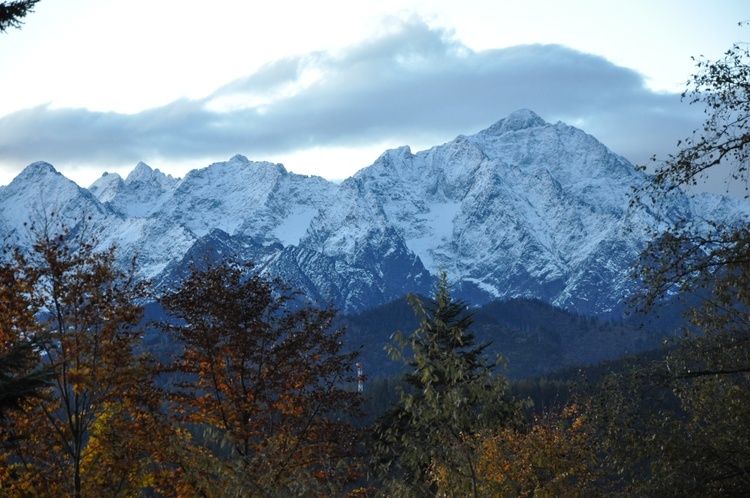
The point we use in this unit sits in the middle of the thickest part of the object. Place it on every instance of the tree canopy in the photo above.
(75, 314)
(12, 13)
(266, 378)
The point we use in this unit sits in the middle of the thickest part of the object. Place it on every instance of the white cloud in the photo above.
(413, 85)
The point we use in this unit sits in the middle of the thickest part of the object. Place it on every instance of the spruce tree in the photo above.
(453, 394)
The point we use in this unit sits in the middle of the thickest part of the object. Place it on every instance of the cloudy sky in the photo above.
(324, 87)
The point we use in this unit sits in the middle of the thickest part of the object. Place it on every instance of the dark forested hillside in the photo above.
(532, 336)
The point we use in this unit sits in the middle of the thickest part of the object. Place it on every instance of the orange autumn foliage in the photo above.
(264, 384)
(81, 314)
(553, 458)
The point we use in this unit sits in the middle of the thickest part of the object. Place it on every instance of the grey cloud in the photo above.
(414, 84)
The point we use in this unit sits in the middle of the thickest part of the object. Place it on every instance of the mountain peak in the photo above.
(516, 121)
(106, 187)
(239, 158)
(38, 168)
(107, 178)
(141, 172)
(403, 151)
(38, 172)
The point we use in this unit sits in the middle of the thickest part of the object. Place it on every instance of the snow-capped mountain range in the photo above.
(523, 208)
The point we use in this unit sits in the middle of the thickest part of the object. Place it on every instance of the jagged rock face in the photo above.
(42, 198)
(256, 211)
(321, 278)
(522, 209)
(239, 196)
(139, 195)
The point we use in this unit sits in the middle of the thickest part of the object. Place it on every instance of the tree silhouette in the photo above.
(693, 438)
(12, 13)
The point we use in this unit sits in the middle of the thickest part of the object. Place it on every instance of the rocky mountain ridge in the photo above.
(522, 209)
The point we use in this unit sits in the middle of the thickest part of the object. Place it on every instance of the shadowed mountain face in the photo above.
(522, 209)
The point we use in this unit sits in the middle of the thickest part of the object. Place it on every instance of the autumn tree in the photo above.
(135, 449)
(265, 382)
(81, 313)
(12, 13)
(555, 456)
(22, 374)
(451, 395)
(692, 439)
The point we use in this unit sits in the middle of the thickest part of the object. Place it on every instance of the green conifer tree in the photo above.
(453, 394)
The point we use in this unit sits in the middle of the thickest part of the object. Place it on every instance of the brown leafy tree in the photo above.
(135, 450)
(22, 374)
(554, 457)
(267, 382)
(81, 313)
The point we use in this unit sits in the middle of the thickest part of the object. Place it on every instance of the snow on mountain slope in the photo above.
(106, 187)
(39, 195)
(153, 242)
(321, 278)
(245, 197)
(524, 208)
(291, 229)
(707, 207)
(237, 196)
(139, 195)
